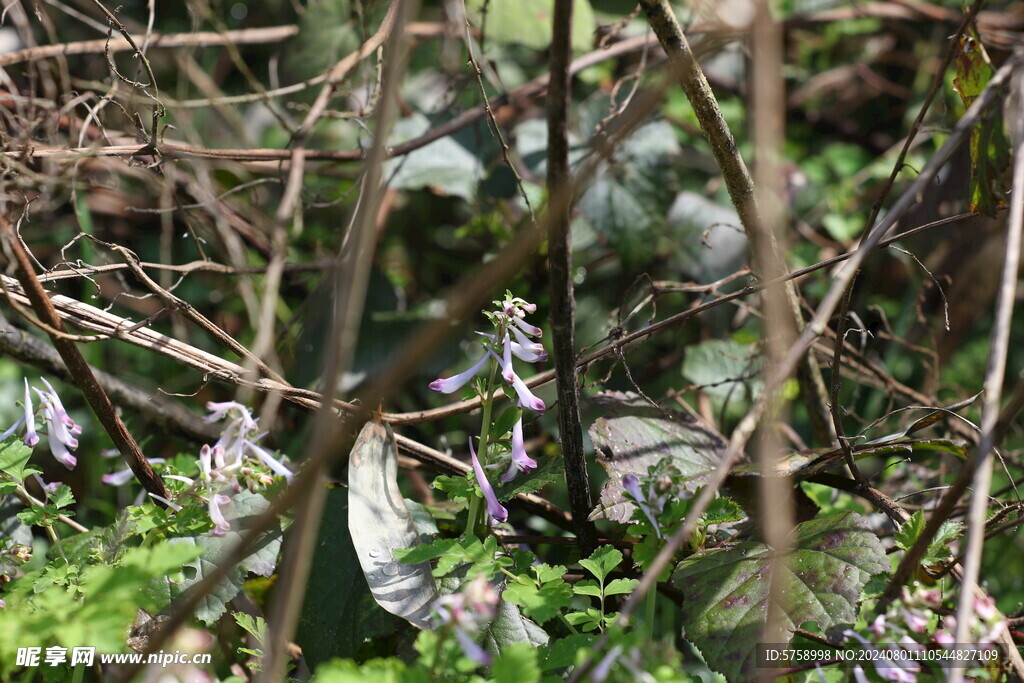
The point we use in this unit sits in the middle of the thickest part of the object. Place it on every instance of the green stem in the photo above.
(650, 602)
(487, 404)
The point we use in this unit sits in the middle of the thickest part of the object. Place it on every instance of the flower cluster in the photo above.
(511, 338)
(910, 624)
(220, 465)
(466, 612)
(60, 428)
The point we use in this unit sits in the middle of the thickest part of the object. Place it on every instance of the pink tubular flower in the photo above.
(521, 462)
(31, 438)
(61, 428)
(122, 477)
(220, 523)
(526, 397)
(526, 327)
(456, 382)
(495, 509)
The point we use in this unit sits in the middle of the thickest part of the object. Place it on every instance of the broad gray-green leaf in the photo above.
(262, 558)
(444, 166)
(510, 626)
(380, 522)
(528, 22)
(727, 370)
(726, 590)
(339, 613)
(633, 435)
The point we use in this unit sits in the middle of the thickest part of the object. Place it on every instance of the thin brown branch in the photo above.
(687, 71)
(247, 36)
(77, 367)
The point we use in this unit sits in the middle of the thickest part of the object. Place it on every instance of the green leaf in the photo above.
(540, 604)
(444, 166)
(587, 621)
(339, 613)
(938, 549)
(504, 424)
(726, 369)
(456, 487)
(726, 591)
(549, 471)
(62, 496)
(602, 561)
(587, 588)
(620, 586)
(528, 22)
(509, 627)
(723, 511)
(546, 573)
(909, 531)
(517, 663)
(262, 560)
(633, 436)
(562, 652)
(254, 626)
(14, 457)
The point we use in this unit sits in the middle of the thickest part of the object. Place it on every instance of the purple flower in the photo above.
(521, 462)
(526, 327)
(526, 398)
(122, 477)
(471, 649)
(31, 438)
(496, 510)
(456, 382)
(61, 428)
(220, 523)
(271, 462)
(631, 483)
(466, 611)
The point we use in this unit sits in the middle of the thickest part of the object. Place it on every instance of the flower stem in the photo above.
(487, 402)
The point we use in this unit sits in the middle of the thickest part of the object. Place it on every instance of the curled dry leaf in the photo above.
(380, 522)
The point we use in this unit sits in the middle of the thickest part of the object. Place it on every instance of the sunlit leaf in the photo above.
(726, 591)
(633, 435)
(380, 523)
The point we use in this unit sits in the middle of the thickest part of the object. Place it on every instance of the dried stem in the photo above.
(80, 371)
(563, 302)
(687, 71)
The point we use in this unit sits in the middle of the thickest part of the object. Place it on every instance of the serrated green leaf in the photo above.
(726, 591)
(633, 436)
(620, 586)
(244, 507)
(587, 588)
(723, 511)
(602, 561)
(254, 626)
(455, 487)
(549, 471)
(540, 604)
(14, 457)
(517, 663)
(61, 497)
